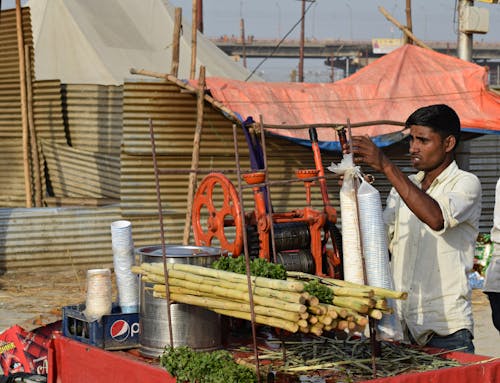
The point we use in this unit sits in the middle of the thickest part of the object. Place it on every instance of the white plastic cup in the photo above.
(99, 294)
(123, 260)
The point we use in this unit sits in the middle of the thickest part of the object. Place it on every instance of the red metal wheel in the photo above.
(216, 213)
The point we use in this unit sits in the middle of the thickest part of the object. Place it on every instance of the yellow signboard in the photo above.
(383, 46)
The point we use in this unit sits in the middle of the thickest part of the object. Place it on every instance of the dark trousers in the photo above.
(460, 341)
(495, 308)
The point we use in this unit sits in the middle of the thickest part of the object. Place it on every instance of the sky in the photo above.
(433, 20)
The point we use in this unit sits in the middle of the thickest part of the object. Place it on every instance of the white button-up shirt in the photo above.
(433, 266)
(492, 282)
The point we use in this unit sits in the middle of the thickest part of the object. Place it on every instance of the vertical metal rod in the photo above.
(268, 189)
(162, 232)
(247, 256)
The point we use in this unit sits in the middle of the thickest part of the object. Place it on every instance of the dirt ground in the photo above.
(32, 300)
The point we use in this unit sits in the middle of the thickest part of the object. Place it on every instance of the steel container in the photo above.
(192, 326)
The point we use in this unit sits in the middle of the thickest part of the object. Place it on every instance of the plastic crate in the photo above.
(116, 331)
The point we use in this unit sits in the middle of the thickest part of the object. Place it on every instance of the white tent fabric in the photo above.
(97, 42)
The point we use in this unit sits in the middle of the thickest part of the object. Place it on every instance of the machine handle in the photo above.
(313, 135)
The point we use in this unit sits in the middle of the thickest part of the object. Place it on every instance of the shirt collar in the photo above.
(419, 177)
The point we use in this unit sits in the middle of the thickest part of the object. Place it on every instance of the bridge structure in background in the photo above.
(349, 55)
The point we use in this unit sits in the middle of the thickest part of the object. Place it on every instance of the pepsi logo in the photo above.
(121, 330)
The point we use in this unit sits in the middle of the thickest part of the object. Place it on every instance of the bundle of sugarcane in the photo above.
(354, 303)
(279, 303)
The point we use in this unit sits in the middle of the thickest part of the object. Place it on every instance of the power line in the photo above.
(280, 42)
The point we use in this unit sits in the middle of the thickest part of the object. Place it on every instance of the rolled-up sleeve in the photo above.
(462, 204)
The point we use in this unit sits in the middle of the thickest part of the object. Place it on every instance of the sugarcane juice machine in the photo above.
(305, 239)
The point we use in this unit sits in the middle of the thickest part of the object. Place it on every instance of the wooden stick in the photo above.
(31, 128)
(195, 158)
(174, 69)
(404, 29)
(194, 34)
(24, 115)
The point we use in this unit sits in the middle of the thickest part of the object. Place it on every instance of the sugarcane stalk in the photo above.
(216, 303)
(357, 318)
(262, 319)
(277, 284)
(285, 295)
(351, 292)
(234, 294)
(317, 329)
(375, 314)
(340, 311)
(378, 291)
(351, 303)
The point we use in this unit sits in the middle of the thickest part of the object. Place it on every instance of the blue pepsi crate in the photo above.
(116, 331)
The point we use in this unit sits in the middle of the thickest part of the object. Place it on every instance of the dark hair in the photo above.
(441, 118)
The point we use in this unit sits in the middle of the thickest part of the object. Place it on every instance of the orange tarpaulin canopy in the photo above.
(390, 88)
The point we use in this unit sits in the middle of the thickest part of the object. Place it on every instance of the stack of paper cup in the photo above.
(123, 260)
(99, 296)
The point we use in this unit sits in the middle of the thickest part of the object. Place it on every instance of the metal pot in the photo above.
(192, 326)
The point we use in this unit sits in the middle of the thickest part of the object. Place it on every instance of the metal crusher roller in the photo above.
(305, 239)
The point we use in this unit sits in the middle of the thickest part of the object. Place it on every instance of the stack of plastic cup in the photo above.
(99, 296)
(123, 260)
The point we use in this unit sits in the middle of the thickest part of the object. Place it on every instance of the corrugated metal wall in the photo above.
(12, 190)
(173, 114)
(482, 157)
(42, 239)
(93, 117)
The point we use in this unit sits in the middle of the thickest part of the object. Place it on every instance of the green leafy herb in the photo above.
(258, 267)
(317, 289)
(188, 365)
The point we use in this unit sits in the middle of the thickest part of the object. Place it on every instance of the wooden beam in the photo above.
(195, 158)
(24, 115)
(174, 70)
(405, 30)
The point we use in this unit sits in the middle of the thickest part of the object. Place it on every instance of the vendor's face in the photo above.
(428, 150)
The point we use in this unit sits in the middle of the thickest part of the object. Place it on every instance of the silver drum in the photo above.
(192, 326)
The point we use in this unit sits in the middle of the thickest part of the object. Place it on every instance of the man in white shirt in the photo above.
(492, 282)
(432, 219)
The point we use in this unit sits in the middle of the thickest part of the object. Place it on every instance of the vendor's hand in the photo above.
(366, 152)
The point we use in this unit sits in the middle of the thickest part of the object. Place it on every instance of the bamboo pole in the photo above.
(194, 34)
(409, 22)
(195, 158)
(24, 115)
(405, 30)
(174, 70)
(31, 128)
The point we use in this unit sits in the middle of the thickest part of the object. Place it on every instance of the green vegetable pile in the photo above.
(319, 290)
(187, 365)
(258, 267)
